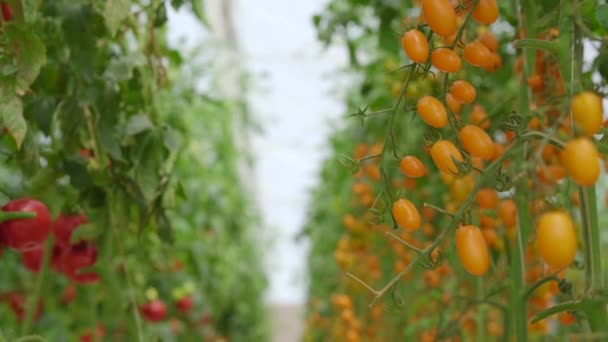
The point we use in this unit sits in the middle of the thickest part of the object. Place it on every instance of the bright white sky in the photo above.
(290, 98)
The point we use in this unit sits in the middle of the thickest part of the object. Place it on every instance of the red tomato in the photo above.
(64, 225)
(185, 304)
(69, 294)
(24, 234)
(100, 332)
(154, 311)
(79, 256)
(7, 11)
(32, 259)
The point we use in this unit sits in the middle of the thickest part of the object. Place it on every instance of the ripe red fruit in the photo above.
(17, 304)
(154, 311)
(64, 225)
(185, 304)
(7, 11)
(69, 294)
(78, 256)
(32, 259)
(100, 332)
(29, 233)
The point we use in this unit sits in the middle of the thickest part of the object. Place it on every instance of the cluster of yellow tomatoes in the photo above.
(471, 156)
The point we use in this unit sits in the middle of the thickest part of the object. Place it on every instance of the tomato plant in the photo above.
(113, 203)
(509, 242)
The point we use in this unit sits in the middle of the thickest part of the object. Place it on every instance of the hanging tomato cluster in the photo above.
(478, 165)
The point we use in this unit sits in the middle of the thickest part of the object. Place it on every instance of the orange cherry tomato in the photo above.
(406, 215)
(487, 198)
(415, 45)
(479, 117)
(461, 188)
(440, 16)
(494, 63)
(472, 250)
(486, 12)
(507, 212)
(412, 167)
(477, 54)
(477, 142)
(587, 110)
(489, 40)
(454, 105)
(443, 152)
(556, 239)
(463, 91)
(432, 112)
(446, 60)
(581, 159)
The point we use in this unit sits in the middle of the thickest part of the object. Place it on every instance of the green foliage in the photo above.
(102, 118)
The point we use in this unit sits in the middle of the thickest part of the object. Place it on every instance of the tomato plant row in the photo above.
(464, 205)
(123, 213)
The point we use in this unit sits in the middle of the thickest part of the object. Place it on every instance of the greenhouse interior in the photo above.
(314, 171)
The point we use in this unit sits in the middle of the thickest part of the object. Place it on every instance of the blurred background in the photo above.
(288, 71)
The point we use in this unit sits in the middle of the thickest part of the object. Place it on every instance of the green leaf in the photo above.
(89, 231)
(29, 53)
(180, 191)
(121, 69)
(601, 15)
(115, 12)
(11, 115)
(165, 231)
(138, 124)
(198, 9)
(172, 139)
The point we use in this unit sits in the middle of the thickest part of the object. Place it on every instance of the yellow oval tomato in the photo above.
(446, 60)
(487, 198)
(440, 16)
(489, 40)
(477, 142)
(581, 160)
(412, 167)
(443, 154)
(479, 117)
(472, 250)
(454, 105)
(415, 45)
(463, 91)
(587, 110)
(432, 112)
(486, 12)
(556, 239)
(461, 188)
(477, 54)
(406, 215)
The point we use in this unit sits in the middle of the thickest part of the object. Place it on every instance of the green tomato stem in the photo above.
(16, 215)
(31, 305)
